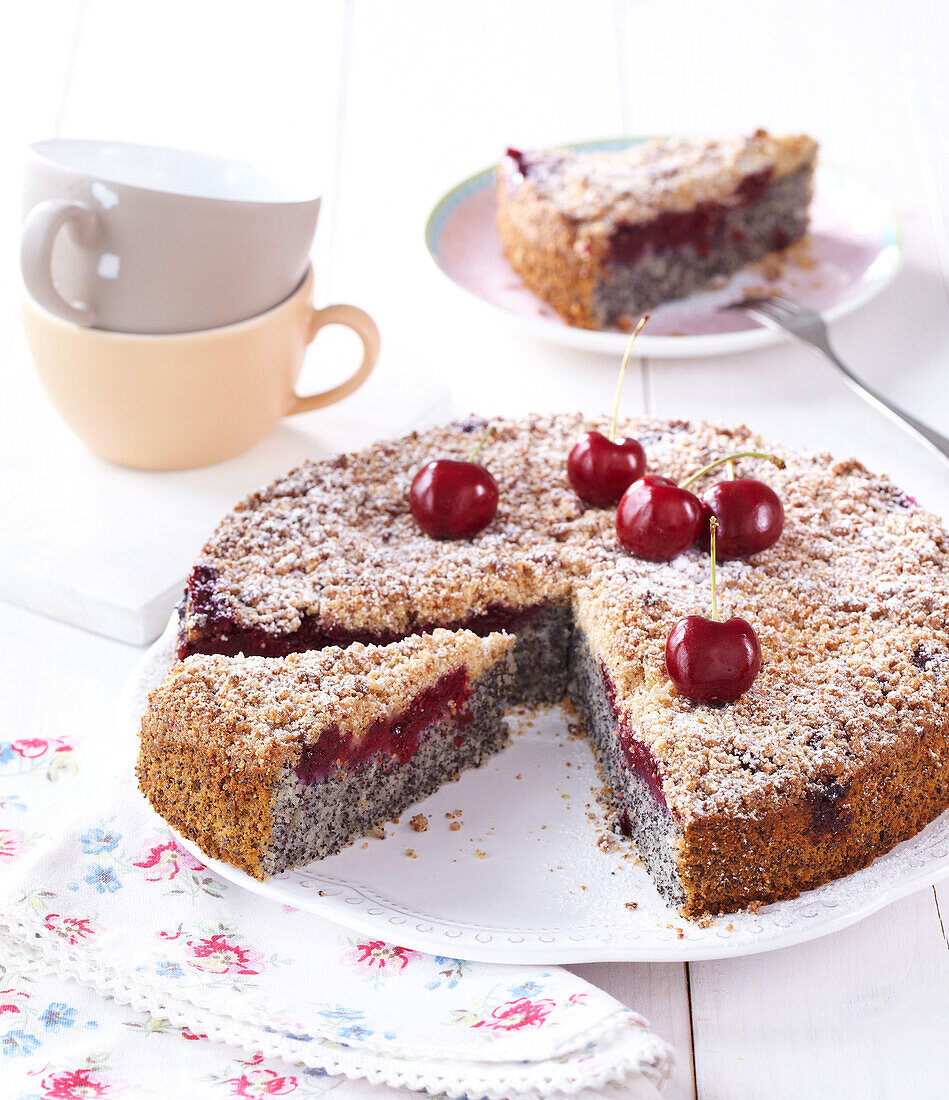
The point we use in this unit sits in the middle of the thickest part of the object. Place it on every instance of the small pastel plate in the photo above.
(851, 253)
(517, 864)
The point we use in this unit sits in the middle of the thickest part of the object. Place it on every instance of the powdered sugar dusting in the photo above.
(853, 592)
(261, 708)
(600, 189)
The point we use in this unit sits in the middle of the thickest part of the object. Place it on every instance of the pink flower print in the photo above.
(72, 929)
(8, 998)
(216, 956)
(163, 860)
(30, 747)
(380, 954)
(262, 1082)
(515, 1015)
(187, 1033)
(73, 1084)
(10, 845)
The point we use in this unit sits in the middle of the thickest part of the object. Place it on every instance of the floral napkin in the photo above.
(129, 966)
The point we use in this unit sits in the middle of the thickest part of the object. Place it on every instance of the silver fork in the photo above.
(803, 324)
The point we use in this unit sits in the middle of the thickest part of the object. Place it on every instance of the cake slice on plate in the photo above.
(269, 763)
(604, 236)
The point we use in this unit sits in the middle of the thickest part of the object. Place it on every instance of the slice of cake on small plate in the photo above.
(272, 762)
(603, 236)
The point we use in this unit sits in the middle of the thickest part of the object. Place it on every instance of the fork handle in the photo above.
(926, 435)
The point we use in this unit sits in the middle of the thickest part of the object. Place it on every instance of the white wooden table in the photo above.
(393, 103)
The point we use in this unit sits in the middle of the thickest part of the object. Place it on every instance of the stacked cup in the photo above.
(168, 300)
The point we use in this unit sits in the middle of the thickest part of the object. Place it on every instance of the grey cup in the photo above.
(143, 239)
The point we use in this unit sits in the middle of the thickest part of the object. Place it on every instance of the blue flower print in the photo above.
(17, 1044)
(12, 801)
(355, 1031)
(340, 1013)
(168, 969)
(526, 989)
(6, 752)
(96, 842)
(104, 879)
(58, 1016)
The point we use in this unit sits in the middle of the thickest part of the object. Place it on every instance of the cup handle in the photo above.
(365, 328)
(40, 230)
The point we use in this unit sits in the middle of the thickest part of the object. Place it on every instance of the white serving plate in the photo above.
(523, 879)
(854, 253)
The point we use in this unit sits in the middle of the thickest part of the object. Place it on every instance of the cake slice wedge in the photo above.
(269, 763)
(603, 236)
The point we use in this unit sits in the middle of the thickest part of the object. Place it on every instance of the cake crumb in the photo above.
(480, 854)
(378, 832)
(410, 852)
(632, 905)
(419, 823)
(455, 826)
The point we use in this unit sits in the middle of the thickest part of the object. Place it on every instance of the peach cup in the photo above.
(171, 402)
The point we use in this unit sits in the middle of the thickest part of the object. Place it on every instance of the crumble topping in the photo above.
(608, 188)
(261, 708)
(851, 604)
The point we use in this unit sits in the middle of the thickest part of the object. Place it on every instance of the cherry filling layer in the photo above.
(829, 816)
(396, 738)
(702, 226)
(222, 634)
(639, 757)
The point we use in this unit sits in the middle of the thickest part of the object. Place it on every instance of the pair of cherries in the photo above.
(657, 519)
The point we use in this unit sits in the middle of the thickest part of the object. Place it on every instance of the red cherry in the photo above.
(601, 470)
(657, 520)
(711, 661)
(749, 513)
(453, 500)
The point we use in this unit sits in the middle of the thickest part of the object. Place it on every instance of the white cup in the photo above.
(142, 239)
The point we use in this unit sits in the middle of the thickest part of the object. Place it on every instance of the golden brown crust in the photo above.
(727, 863)
(539, 244)
(201, 792)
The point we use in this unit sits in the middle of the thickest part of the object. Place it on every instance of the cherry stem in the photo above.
(730, 467)
(622, 372)
(712, 528)
(489, 431)
(779, 462)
